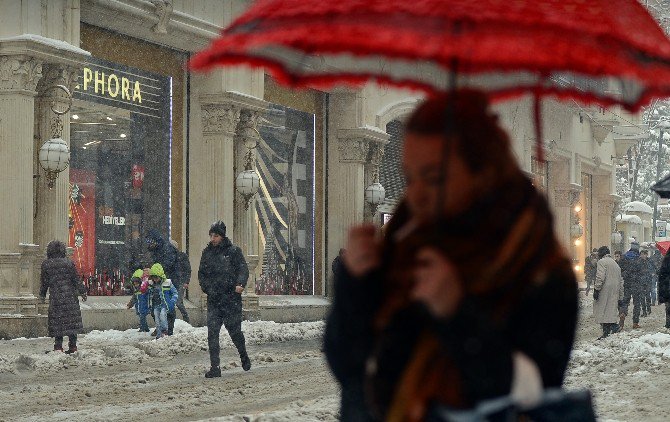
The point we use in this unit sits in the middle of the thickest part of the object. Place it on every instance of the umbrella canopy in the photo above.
(663, 246)
(567, 48)
(662, 187)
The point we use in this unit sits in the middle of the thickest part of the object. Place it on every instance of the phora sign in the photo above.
(111, 85)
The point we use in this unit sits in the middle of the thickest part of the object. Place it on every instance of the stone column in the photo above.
(51, 205)
(212, 180)
(606, 206)
(19, 76)
(565, 198)
(246, 227)
(360, 153)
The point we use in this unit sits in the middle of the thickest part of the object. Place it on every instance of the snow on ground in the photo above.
(124, 375)
(628, 372)
(100, 348)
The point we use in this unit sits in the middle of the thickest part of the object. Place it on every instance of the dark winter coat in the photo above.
(664, 280)
(164, 253)
(59, 277)
(222, 268)
(633, 270)
(472, 349)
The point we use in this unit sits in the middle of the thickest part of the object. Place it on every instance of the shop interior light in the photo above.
(578, 242)
(83, 147)
(75, 117)
(92, 143)
(578, 208)
(123, 135)
(578, 268)
(109, 118)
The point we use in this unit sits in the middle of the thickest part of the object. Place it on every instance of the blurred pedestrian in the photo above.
(223, 275)
(590, 267)
(617, 256)
(647, 281)
(664, 287)
(181, 279)
(164, 297)
(412, 348)
(59, 277)
(633, 270)
(608, 290)
(140, 299)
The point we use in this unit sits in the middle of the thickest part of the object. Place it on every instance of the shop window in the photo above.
(120, 135)
(285, 204)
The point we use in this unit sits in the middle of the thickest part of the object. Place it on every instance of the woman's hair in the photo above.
(56, 249)
(465, 119)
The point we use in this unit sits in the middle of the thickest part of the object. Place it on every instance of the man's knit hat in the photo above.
(219, 228)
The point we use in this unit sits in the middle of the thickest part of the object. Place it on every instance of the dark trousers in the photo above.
(71, 342)
(180, 304)
(646, 301)
(171, 316)
(216, 317)
(636, 294)
(143, 322)
(667, 314)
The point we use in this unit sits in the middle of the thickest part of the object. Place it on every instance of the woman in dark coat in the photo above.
(405, 347)
(60, 277)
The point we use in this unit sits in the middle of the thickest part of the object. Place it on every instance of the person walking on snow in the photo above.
(647, 280)
(664, 287)
(632, 270)
(163, 298)
(181, 278)
(59, 277)
(223, 275)
(608, 289)
(140, 300)
(590, 269)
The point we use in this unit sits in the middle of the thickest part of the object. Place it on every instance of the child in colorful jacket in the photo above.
(164, 296)
(140, 300)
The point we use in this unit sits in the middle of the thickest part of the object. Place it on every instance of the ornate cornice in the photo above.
(608, 204)
(567, 196)
(57, 74)
(220, 118)
(362, 145)
(19, 73)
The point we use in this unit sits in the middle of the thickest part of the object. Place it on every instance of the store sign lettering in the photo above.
(112, 86)
(113, 221)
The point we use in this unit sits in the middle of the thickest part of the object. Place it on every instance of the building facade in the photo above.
(153, 146)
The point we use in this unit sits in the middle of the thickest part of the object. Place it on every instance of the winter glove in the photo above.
(596, 294)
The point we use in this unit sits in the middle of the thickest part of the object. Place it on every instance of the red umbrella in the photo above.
(663, 246)
(503, 47)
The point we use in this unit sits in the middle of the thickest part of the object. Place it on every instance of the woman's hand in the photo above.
(362, 251)
(437, 283)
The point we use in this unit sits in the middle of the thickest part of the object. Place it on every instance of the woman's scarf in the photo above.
(501, 246)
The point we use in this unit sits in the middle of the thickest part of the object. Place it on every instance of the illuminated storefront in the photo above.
(119, 170)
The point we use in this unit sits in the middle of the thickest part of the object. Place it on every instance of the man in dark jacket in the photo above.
(647, 281)
(633, 270)
(223, 275)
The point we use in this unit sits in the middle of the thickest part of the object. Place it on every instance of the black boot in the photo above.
(214, 372)
(246, 362)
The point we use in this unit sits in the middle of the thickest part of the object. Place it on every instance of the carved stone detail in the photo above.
(19, 73)
(164, 13)
(219, 118)
(57, 74)
(566, 197)
(247, 127)
(376, 154)
(607, 206)
(354, 150)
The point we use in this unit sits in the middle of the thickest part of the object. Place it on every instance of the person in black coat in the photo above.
(223, 275)
(664, 287)
(59, 277)
(164, 253)
(633, 271)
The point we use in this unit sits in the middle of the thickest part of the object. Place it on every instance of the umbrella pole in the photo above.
(537, 117)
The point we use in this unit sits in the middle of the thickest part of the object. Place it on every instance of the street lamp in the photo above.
(54, 155)
(248, 181)
(375, 193)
